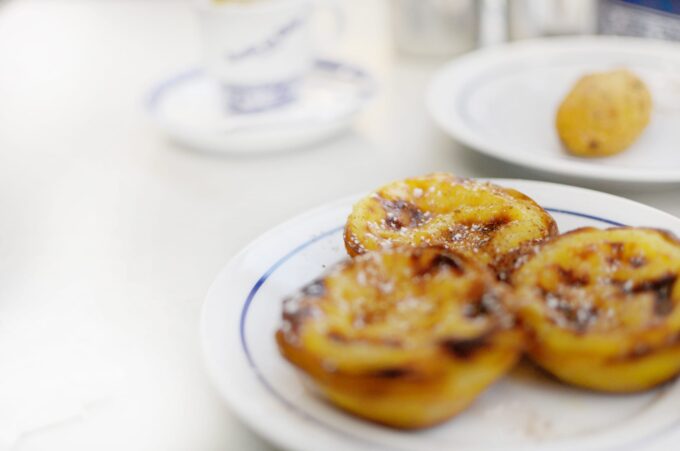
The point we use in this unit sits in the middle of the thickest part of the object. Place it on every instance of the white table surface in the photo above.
(110, 235)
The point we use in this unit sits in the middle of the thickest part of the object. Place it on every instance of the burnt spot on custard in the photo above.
(593, 144)
(568, 313)
(476, 310)
(294, 317)
(464, 348)
(586, 252)
(341, 338)
(476, 235)
(615, 252)
(580, 316)
(337, 337)
(495, 224)
(661, 288)
(483, 302)
(489, 226)
(637, 261)
(300, 306)
(441, 261)
(392, 373)
(316, 289)
(643, 350)
(401, 214)
(571, 278)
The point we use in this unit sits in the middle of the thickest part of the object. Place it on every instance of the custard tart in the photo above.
(600, 307)
(497, 225)
(406, 337)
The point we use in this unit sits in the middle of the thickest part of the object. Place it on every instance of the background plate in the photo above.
(502, 102)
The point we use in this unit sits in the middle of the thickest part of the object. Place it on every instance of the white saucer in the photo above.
(502, 101)
(525, 411)
(190, 108)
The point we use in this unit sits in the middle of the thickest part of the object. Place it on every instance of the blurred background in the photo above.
(115, 220)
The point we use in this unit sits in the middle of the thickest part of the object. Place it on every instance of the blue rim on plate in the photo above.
(647, 439)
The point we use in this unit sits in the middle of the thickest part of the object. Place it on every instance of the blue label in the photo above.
(658, 19)
(669, 6)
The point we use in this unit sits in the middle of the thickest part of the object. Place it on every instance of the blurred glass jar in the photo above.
(644, 18)
(536, 18)
(435, 27)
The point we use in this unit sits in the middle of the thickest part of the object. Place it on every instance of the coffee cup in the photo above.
(258, 50)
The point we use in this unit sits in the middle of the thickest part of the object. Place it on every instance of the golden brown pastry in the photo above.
(405, 337)
(600, 307)
(604, 113)
(495, 224)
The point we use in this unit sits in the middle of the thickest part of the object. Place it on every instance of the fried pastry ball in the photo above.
(405, 337)
(604, 113)
(601, 307)
(495, 224)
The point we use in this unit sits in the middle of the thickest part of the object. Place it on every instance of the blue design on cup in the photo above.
(245, 99)
(270, 43)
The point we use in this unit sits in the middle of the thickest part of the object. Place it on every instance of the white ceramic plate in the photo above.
(191, 109)
(502, 102)
(523, 411)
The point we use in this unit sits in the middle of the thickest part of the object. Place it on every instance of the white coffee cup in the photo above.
(259, 51)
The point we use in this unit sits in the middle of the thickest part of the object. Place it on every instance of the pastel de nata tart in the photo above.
(600, 307)
(498, 225)
(405, 337)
